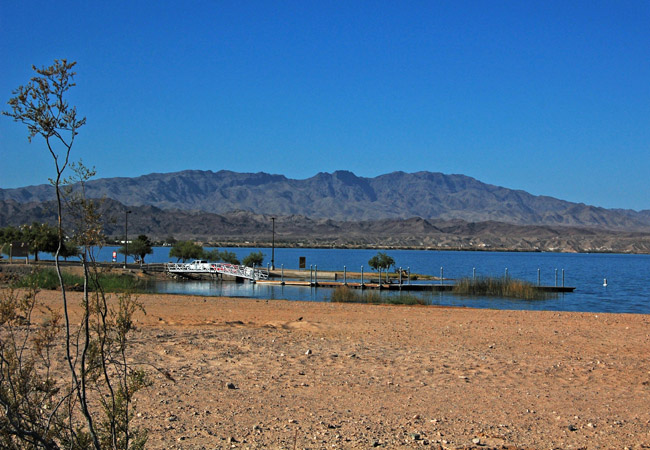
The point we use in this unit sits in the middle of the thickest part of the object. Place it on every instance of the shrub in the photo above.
(48, 279)
(255, 259)
(90, 406)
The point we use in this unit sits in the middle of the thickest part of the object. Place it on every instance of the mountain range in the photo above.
(248, 229)
(418, 210)
(343, 196)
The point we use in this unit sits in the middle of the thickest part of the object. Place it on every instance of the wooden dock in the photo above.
(434, 287)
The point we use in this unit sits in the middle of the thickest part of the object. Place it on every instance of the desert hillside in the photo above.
(344, 196)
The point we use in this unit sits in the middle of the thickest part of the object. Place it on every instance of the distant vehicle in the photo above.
(199, 264)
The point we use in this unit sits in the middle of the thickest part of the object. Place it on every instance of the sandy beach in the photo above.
(278, 374)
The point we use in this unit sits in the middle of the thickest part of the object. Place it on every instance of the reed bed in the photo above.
(500, 287)
(344, 294)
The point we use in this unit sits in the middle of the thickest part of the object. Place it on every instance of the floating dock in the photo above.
(328, 278)
(435, 287)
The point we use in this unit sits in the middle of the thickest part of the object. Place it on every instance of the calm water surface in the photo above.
(627, 291)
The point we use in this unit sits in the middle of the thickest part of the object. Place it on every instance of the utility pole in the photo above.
(126, 235)
(273, 245)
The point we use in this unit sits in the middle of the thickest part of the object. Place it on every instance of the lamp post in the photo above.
(126, 235)
(273, 245)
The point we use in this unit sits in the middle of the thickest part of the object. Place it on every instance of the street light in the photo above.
(126, 234)
(273, 245)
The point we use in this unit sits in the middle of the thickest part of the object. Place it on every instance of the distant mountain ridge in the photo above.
(344, 196)
(249, 229)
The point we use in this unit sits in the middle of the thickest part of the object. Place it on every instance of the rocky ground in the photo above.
(240, 373)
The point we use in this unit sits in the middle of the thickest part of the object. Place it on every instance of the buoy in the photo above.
(605, 282)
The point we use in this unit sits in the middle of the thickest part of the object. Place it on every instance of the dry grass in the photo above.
(500, 287)
(344, 294)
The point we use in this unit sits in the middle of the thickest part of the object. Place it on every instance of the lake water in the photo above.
(627, 290)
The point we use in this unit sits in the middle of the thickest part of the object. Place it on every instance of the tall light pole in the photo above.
(273, 245)
(126, 235)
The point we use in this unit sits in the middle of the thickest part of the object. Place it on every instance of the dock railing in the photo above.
(250, 273)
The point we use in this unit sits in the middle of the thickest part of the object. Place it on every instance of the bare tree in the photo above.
(92, 409)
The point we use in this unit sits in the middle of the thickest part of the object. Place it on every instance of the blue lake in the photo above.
(627, 290)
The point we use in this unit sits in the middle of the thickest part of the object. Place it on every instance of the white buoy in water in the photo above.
(605, 282)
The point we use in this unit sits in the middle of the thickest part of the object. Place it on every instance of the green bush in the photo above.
(255, 259)
(47, 279)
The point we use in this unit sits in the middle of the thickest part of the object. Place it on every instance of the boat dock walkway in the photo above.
(204, 267)
(324, 279)
(435, 287)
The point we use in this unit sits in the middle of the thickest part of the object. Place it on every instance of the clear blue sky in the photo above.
(552, 97)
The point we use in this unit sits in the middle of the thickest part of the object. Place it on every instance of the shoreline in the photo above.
(414, 247)
(335, 375)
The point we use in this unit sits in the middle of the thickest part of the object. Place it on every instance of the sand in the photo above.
(279, 374)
